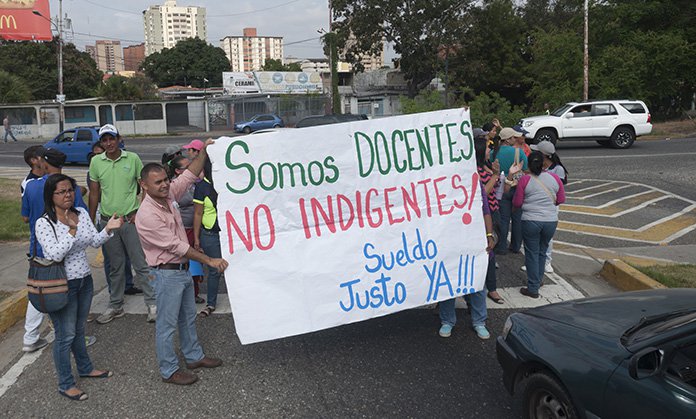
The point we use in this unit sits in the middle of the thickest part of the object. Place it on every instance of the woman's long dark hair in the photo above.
(480, 144)
(49, 189)
(535, 162)
(174, 164)
(556, 161)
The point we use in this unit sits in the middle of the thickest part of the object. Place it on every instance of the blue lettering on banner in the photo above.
(384, 291)
(439, 278)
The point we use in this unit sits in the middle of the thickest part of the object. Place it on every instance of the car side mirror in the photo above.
(645, 363)
(569, 115)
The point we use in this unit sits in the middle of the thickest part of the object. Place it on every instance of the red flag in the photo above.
(19, 23)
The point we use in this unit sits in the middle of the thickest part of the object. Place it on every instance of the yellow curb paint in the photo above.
(12, 309)
(627, 278)
(605, 254)
(654, 234)
(615, 208)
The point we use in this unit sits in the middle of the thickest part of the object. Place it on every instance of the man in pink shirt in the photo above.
(167, 251)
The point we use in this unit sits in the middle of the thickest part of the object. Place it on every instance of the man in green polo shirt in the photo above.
(114, 177)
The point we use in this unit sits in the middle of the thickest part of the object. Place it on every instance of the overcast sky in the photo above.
(294, 20)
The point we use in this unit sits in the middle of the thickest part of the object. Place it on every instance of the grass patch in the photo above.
(12, 227)
(672, 276)
(672, 129)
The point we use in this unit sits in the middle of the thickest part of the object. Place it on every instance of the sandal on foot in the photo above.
(206, 311)
(497, 300)
(104, 374)
(79, 397)
(199, 300)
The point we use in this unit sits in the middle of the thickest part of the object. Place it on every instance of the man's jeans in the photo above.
(176, 308)
(69, 325)
(507, 215)
(477, 303)
(9, 132)
(537, 235)
(210, 243)
(126, 244)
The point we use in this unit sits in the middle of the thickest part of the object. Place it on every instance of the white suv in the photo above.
(614, 123)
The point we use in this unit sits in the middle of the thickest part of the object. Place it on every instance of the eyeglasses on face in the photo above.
(63, 192)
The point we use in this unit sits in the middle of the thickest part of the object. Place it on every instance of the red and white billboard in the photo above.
(19, 23)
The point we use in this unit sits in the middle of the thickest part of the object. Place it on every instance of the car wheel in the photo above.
(623, 137)
(542, 396)
(604, 143)
(545, 135)
(276, 126)
(246, 130)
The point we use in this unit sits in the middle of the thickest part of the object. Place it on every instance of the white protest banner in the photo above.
(335, 224)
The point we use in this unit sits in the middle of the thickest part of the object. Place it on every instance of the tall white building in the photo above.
(167, 24)
(249, 52)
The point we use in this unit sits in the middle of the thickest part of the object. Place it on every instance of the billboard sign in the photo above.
(19, 23)
(263, 82)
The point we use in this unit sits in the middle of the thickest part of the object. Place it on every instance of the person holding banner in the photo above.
(167, 251)
(477, 300)
(207, 239)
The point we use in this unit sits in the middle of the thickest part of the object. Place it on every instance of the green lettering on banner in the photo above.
(383, 139)
(274, 172)
(398, 168)
(328, 163)
(451, 142)
(409, 151)
(291, 171)
(465, 133)
(424, 147)
(372, 153)
(232, 166)
(439, 140)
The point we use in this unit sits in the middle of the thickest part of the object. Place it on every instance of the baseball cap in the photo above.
(507, 133)
(546, 147)
(108, 129)
(172, 149)
(519, 128)
(478, 132)
(55, 158)
(195, 144)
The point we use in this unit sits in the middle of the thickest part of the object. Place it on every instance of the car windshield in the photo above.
(560, 111)
(654, 325)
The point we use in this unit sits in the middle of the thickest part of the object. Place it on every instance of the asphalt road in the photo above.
(395, 366)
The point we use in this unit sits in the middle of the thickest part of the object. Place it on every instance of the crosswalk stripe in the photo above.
(618, 207)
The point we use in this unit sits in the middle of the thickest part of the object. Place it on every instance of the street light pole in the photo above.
(586, 57)
(60, 97)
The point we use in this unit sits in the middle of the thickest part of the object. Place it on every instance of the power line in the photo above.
(224, 15)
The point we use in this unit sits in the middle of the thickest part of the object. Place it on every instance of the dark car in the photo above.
(76, 143)
(628, 355)
(314, 120)
(258, 122)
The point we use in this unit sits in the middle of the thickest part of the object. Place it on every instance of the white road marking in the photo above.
(629, 156)
(589, 188)
(602, 193)
(12, 374)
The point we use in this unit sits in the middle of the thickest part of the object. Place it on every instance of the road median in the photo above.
(12, 309)
(627, 278)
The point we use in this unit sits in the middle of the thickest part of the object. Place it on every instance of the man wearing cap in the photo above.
(49, 162)
(168, 252)
(114, 176)
(520, 141)
(507, 156)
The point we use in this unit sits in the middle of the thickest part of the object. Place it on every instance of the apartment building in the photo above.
(249, 52)
(167, 24)
(133, 56)
(107, 54)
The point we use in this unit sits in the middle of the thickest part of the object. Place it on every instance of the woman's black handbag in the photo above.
(47, 282)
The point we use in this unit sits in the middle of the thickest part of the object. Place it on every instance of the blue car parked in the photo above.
(259, 122)
(76, 143)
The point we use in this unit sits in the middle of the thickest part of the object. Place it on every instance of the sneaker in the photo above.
(40, 343)
(151, 313)
(90, 340)
(110, 314)
(548, 268)
(482, 332)
(445, 331)
(133, 291)
(523, 268)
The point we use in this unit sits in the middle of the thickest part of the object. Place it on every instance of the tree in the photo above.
(277, 65)
(418, 29)
(13, 89)
(138, 87)
(190, 62)
(37, 64)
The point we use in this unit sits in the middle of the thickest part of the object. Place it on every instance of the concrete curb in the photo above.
(626, 278)
(13, 309)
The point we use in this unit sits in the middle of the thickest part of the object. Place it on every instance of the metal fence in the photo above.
(225, 112)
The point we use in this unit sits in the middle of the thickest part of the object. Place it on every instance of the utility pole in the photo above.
(586, 57)
(61, 96)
